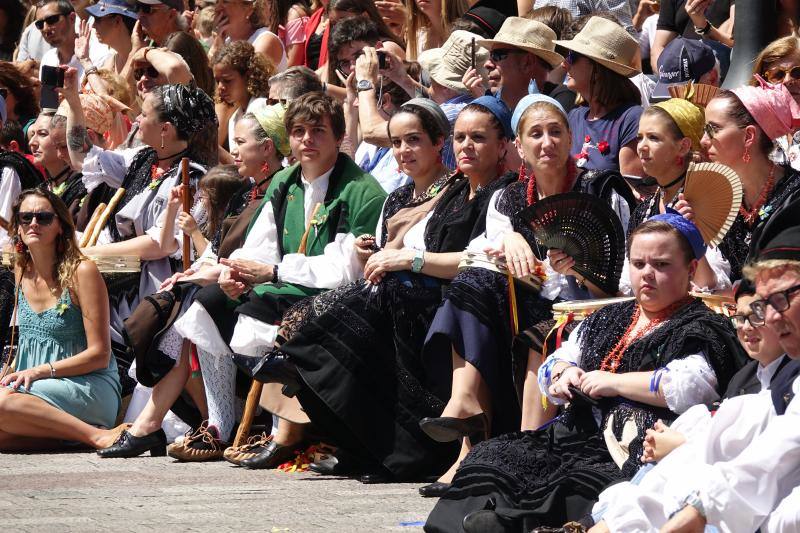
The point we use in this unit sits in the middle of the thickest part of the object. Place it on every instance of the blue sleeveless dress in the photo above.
(57, 333)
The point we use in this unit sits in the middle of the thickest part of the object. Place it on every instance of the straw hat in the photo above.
(607, 43)
(448, 64)
(528, 35)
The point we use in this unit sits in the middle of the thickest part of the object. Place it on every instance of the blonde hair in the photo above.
(416, 20)
(752, 270)
(68, 254)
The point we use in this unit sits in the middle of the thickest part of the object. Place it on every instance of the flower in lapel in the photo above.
(62, 308)
(156, 177)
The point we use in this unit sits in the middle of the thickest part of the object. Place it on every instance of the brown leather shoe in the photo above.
(202, 445)
(254, 446)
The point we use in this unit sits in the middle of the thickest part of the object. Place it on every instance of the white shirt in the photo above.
(251, 105)
(386, 170)
(33, 46)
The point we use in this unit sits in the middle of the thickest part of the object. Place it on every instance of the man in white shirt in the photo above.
(56, 20)
(32, 44)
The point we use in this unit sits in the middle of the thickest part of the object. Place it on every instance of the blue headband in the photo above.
(686, 228)
(528, 101)
(500, 110)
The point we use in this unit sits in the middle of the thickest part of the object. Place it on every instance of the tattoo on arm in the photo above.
(78, 139)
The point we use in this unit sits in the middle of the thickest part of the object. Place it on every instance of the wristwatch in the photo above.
(704, 30)
(418, 262)
(364, 85)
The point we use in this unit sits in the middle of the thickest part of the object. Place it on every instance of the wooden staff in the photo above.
(188, 347)
(87, 233)
(254, 395)
(101, 223)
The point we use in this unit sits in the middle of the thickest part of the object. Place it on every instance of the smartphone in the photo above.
(473, 53)
(582, 397)
(382, 62)
(53, 76)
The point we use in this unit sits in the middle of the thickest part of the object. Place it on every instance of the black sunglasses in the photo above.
(573, 57)
(50, 21)
(779, 301)
(43, 218)
(146, 8)
(499, 54)
(778, 75)
(148, 71)
(739, 320)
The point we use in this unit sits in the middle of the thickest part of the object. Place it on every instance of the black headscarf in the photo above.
(189, 109)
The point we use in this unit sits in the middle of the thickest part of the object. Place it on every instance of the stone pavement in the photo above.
(80, 492)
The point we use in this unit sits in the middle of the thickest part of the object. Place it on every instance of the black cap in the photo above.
(682, 61)
(487, 18)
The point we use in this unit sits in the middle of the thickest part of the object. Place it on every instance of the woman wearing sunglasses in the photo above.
(65, 385)
(742, 127)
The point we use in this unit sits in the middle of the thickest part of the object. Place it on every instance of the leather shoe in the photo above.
(448, 429)
(275, 367)
(326, 467)
(485, 521)
(271, 456)
(434, 490)
(374, 478)
(128, 445)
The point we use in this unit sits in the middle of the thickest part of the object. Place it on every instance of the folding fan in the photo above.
(584, 227)
(715, 193)
(697, 93)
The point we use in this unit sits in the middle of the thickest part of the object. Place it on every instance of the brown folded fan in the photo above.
(697, 93)
(715, 193)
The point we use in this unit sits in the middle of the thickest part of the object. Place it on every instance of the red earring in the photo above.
(20, 247)
(265, 169)
(746, 156)
(522, 172)
(679, 160)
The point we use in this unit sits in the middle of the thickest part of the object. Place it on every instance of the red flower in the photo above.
(587, 139)
(604, 147)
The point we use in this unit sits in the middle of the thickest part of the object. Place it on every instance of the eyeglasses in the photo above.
(573, 57)
(711, 130)
(499, 54)
(779, 301)
(148, 71)
(778, 75)
(147, 8)
(43, 218)
(50, 21)
(739, 320)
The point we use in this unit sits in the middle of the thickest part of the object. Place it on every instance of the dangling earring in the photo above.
(522, 173)
(746, 156)
(679, 160)
(265, 168)
(162, 140)
(20, 247)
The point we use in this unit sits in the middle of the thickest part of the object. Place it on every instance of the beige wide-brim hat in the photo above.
(607, 43)
(529, 35)
(448, 64)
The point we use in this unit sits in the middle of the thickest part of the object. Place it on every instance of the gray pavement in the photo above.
(80, 492)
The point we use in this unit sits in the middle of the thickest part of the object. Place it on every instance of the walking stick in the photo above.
(194, 362)
(255, 388)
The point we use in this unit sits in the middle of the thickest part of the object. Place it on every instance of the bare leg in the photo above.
(470, 396)
(25, 415)
(16, 443)
(533, 414)
(289, 433)
(164, 395)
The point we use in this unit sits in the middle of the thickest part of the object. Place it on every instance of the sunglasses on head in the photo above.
(50, 21)
(778, 75)
(499, 54)
(148, 71)
(43, 218)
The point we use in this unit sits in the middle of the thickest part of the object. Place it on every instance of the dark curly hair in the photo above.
(255, 68)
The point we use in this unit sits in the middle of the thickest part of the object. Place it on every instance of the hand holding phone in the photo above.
(580, 397)
(52, 78)
(383, 62)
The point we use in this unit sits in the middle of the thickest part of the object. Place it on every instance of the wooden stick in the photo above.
(112, 204)
(187, 206)
(302, 248)
(87, 233)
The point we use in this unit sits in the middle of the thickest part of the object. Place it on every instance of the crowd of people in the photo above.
(324, 220)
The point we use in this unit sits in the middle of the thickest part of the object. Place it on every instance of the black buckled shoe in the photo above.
(275, 367)
(434, 490)
(272, 456)
(448, 429)
(128, 445)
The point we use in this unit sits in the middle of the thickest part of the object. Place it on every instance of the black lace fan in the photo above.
(586, 229)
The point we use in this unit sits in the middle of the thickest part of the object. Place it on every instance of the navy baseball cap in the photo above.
(682, 61)
(112, 7)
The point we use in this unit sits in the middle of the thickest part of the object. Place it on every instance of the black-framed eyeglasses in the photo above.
(711, 129)
(499, 54)
(573, 57)
(739, 320)
(778, 75)
(149, 71)
(779, 301)
(43, 218)
(50, 21)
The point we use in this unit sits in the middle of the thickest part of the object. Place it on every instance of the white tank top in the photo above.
(261, 31)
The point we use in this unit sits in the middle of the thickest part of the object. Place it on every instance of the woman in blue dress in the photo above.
(65, 386)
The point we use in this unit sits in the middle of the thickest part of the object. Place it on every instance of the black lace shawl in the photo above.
(134, 182)
(29, 175)
(736, 244)
(457, 219)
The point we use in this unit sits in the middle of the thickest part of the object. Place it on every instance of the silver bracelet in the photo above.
(52, 370)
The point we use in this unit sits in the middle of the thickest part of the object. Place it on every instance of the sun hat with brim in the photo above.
(173, 4)
(103, 8)
(448, 64)
(607, 43)
(528, 35)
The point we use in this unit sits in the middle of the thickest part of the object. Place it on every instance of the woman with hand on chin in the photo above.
(639, 361)
(669, 132)
(243, 21)
(65, 386)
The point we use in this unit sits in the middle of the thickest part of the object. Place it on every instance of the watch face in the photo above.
(364, 84)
